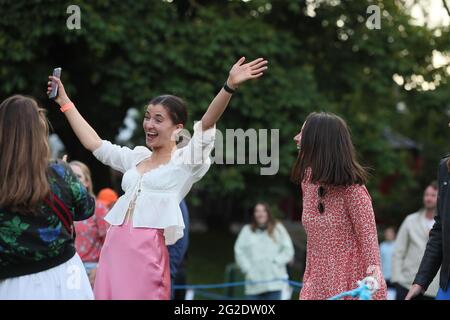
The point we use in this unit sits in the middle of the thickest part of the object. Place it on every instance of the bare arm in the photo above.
(85, 133)
(239, 73)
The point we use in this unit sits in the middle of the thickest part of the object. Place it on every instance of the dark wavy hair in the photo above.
(326, 149)
(175, 106)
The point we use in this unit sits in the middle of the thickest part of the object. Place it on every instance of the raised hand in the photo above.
(62, 97)
(85, 133)
(241, 72)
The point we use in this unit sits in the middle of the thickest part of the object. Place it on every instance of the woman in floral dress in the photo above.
(342, 243)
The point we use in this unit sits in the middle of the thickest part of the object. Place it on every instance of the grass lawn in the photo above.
(208, 256)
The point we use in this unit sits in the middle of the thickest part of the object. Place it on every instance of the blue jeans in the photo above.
(89, 266)
(271, 295)
(444, 295)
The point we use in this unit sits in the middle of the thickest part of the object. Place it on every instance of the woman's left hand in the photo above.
(241, 72)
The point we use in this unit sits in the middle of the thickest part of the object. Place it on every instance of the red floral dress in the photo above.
(91, 234)
(342, 243)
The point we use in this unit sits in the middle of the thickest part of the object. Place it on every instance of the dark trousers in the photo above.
(401, 293)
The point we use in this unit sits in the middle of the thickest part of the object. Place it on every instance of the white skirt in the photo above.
(68, 281)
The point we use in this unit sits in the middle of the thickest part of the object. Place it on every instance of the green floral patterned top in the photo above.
(30, 244)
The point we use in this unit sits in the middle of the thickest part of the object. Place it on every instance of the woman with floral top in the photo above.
(91, 232)
(134, 262)
(39, 200)
(342, 242)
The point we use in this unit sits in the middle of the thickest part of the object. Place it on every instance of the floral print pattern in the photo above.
(28, 239)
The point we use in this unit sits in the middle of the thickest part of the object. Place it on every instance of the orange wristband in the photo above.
(67, 106)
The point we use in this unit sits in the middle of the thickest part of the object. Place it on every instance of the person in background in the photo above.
(437, 252)
(107, 197)
(181, 279)
(386, 253)
(410, 245)
(262, 251)
(39, 200)
(177, 251)
(91, 232)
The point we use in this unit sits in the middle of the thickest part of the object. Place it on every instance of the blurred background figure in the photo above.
(410, 246)
(177, 257)
(91, 233)
(262, 251)
(386, 253)
(107, 197)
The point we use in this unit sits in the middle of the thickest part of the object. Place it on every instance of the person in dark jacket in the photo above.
(437, 252)
(39, 200)
(177, 251)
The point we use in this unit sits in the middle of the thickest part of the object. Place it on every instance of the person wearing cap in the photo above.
(108, 197)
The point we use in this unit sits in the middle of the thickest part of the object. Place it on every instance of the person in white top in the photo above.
(410, 245)
(263, 249)
(134, 262)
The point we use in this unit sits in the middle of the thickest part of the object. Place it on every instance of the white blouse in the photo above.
(162, 188)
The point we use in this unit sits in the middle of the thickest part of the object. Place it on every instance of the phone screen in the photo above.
(54, 93)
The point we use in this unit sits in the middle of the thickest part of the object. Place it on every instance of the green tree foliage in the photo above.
(127, 52)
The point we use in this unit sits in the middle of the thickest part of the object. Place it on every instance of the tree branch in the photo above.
(446, 7)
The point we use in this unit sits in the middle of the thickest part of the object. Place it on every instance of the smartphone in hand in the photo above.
(54, 93)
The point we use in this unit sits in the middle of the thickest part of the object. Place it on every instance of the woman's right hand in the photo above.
(84, 132)
(62, 97)
(414, 291)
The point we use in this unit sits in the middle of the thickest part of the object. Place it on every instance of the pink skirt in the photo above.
(133, 265)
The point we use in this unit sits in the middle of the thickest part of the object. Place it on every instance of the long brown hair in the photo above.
(271, 222)
(326, 148)
(24, 154)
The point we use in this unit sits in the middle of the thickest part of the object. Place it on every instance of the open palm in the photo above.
(241, 72)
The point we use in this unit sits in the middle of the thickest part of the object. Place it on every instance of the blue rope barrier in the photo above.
(295, 284)
(198, 288)
(234, 284)
(367, 287)
(213, 295)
